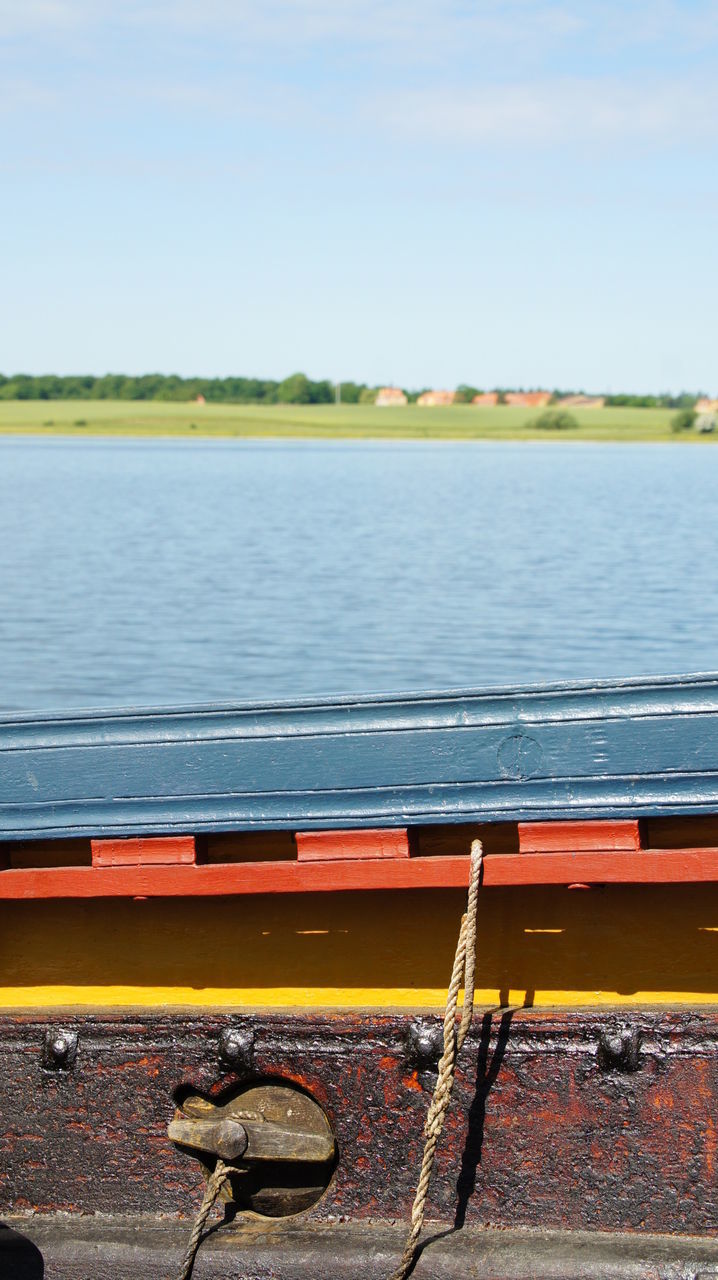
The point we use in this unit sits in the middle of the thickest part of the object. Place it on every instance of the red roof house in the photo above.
(528, 399)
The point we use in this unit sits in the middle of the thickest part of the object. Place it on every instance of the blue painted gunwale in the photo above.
(540, 752)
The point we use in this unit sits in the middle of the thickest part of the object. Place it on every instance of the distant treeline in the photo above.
(160, 386)
(297, 389)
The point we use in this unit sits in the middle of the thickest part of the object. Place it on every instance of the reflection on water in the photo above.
(172, 571)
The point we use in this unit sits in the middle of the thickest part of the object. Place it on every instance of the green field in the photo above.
(459, 422)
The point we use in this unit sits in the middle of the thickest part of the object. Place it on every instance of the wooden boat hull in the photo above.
(564, 1120)
(192, 904)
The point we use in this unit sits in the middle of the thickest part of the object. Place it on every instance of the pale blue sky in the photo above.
(514, 192)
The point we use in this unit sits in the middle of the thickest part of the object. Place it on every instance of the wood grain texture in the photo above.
(556, 837)
(540, 1136)
(217, 879)
(538, 945)
(609, 866)
(332, 846)
(146, 851)
(607, 750)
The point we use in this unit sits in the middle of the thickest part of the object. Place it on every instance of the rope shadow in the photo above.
(486, 1075)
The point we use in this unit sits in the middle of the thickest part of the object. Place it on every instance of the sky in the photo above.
(504, 193)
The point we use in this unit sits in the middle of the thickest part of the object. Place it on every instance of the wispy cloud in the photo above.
(539, 72)
(406, 26)
(588, 110)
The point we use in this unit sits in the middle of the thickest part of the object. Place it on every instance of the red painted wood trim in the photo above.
(573, 837)
(147, 851)
(215, 879)
(332, 846)
(622, 866)
(652, 866)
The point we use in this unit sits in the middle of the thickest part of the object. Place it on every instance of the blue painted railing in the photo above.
(608, 749)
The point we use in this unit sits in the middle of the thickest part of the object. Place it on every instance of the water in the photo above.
(169, 571)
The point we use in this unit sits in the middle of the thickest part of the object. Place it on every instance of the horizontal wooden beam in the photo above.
(219, 879)
(651, 866)
(622, 750)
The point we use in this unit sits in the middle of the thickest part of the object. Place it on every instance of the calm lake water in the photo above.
(170, 571)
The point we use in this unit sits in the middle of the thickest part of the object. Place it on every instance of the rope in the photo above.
(215, 1182)
(462, 973)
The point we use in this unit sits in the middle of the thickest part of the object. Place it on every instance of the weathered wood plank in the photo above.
(607, 750)
(610, 866)
(145, 851)
(558, 837)
(216, 879)
(333, 846)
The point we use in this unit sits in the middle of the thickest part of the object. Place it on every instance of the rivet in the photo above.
(619, 1049)
(424, 1047)
(236, 1048)
(59, 1048)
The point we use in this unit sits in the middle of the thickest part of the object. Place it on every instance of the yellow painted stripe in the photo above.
(318, 998)
(619, 945)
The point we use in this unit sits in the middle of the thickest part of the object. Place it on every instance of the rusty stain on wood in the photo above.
(545, 1130)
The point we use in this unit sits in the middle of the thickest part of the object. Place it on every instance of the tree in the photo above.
(351, 392)
(464, 393)
(321, 392)
(295, 390)
(554, 420)
(684, 420)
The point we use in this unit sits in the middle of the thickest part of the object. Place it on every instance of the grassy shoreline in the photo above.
(341, 422)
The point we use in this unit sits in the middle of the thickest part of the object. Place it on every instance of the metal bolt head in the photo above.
(614, 1045)
(59, 1048)
(424, 1043)
(236, 1048)
(619, 1050)
(424, 1047)
(427, 1045)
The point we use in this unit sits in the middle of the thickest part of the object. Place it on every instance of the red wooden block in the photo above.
(575, 837)
(144, 851)
(335, 846)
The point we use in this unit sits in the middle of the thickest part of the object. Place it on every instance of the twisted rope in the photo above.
(215, 1182)
(463, 973)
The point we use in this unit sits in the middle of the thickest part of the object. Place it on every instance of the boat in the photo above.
(226, 935)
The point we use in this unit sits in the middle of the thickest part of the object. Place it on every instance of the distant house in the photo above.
(528, 399)
(388, 396)
(200, 399)
(434, 398)
(706, 405)
(582, 402)
(486, 397)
